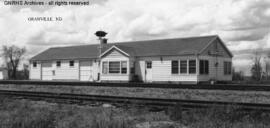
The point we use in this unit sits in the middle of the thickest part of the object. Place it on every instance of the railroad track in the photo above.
(131, 100)
(240, 87)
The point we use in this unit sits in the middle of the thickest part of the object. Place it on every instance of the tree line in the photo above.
(259, 71)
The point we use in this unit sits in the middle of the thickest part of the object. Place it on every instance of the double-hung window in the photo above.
(114, 67)
(192, 66)
(58, 63)
(175, 67)
(34, 64)
(105, 67)
(123, 67)
(183, 66)
(71, 63)
(204, 67)
(227, 68)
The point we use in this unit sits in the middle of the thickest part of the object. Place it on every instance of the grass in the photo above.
(39, 114)
(196, 94)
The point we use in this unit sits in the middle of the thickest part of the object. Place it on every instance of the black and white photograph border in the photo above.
(134, 63)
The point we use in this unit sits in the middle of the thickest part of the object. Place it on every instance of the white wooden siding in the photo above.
(66, 72)
(115, 77)
(216, 73)
(115, 55)
(212, 49)
(35, 72)
(46, 71)
(161, 69)
(86, 70)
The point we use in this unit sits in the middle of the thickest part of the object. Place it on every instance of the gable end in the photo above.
(112, 50)
(216, 45)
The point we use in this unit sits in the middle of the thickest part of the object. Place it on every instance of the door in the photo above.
(47, 72)
(148, 71)
(86, 70)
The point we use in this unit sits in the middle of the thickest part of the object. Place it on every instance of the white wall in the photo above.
(35, 72)
(45, 69)
(115, 55)
(65, 72)
(88, 70)
(161, 69)
(216, 73)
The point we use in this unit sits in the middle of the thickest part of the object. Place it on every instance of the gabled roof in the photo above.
(162, 47)
(114, 47)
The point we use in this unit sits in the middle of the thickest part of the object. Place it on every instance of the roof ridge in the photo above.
(137, 41)
(72, 46)
(164, 39)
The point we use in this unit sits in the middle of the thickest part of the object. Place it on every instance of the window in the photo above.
(34, 64)
(175, 67)
(183, 66)
(149, 64)
(192, 66)
(71, 63)
(204, 67)
(227, 68)
(58, 63)
(124, 67)
(105, 67)
(114, 67)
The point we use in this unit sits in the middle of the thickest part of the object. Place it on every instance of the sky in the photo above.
(243, 25)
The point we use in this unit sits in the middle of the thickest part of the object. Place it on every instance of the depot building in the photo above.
(192, 59)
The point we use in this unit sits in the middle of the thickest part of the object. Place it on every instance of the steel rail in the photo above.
(132, 100)
(238, 87)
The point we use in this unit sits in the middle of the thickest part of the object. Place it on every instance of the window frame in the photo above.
(148, 64)
(227, 68)
(186, 68)
(58, 64)
(193, 66)
(71, 62)
(34, 64)
(204, 67)
(107, 64)
(121, 67)
(173, 67)
(117, 67)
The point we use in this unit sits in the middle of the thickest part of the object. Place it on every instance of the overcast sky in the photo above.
(244, 25)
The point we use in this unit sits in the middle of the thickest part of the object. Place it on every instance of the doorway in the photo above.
(148, 71)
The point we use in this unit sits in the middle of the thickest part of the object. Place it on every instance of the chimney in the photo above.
(102, 40)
